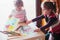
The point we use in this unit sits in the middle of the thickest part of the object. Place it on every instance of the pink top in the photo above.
(21, 15)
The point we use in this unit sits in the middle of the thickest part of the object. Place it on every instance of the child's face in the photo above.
(18, 7)
(46, 11)
(53, 0)
(47, 0)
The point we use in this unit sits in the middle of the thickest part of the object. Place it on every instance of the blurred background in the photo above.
(6, 6)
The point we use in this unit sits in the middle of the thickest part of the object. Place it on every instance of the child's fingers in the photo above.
(37, 30)
(28, 22)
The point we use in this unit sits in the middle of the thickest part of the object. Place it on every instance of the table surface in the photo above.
(30, 37)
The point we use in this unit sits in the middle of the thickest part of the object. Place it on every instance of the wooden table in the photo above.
(38, 36)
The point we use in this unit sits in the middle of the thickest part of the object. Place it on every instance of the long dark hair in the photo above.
(50, 5)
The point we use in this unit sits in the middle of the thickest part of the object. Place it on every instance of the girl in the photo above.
(54, 3)
(19, 13)
(53, 21)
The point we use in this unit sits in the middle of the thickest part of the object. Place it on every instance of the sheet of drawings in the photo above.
(11, 24)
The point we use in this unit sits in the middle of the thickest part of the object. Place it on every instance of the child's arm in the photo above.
(17, 28)
(20, 25)
(36, 19)
(52, 21)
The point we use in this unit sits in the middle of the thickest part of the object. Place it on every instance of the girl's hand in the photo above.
(37, 30)
(28, 22)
